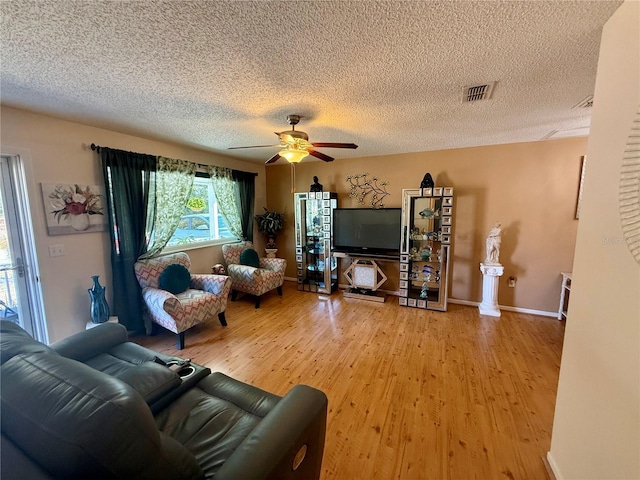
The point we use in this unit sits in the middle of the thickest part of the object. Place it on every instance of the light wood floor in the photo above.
(413, 394)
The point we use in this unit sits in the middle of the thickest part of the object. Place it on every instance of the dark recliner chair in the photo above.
(97, 406)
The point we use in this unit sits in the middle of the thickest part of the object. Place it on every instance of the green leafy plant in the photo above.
(270, 223)
(196, 204)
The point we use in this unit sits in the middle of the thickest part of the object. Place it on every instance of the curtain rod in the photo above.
(96, 148)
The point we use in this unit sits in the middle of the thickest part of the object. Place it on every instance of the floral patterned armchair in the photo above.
(206, 295)
(252, 280)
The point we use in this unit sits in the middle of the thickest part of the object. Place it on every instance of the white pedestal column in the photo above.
(271, 252)
(490, 274)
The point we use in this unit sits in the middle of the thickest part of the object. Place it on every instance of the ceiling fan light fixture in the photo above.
(292, 155)
(295, 145)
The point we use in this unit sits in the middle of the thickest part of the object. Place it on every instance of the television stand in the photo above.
(380, 256)
(365, 294)
(365, 277)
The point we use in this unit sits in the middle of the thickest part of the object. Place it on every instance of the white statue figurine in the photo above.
(493, 245)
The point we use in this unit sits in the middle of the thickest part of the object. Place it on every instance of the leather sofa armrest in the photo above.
(151, 380)
(294, 430)
(89, 343)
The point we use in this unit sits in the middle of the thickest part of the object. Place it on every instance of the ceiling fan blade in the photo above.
(319, 155)
(253, 146)
(275, 158)
(334, 145)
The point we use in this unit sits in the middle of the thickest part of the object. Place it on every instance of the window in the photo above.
(201, 221)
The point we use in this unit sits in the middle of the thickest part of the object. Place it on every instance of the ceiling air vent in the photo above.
(586, 103)
(477, 92)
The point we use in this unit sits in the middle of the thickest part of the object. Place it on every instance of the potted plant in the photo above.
(196, 204)
(270, 224)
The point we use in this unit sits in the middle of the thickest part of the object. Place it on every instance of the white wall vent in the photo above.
(477, 92)
(586, 103)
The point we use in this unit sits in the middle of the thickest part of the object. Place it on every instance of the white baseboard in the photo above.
(542, 313)
(507, 308)
(554, 468)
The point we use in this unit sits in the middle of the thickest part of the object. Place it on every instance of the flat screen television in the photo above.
(367, 230)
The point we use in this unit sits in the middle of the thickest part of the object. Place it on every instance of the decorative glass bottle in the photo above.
(99, 305)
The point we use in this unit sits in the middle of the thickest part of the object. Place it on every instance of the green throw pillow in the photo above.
(175, 278)
(249, 257)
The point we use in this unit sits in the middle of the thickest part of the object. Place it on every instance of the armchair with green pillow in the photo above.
(251, 274)
(177, 299)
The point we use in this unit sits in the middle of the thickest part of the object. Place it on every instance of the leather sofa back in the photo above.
(14, 340)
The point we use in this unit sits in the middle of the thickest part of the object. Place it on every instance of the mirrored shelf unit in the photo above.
(427, 218)
(317, 267)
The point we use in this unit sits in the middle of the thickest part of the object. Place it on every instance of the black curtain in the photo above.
(246, 182)
(127, 176)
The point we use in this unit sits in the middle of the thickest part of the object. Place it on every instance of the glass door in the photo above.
(19, 287)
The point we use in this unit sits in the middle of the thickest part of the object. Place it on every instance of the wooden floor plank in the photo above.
(413, 394)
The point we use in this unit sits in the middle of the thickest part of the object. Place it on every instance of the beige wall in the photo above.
(530, 187)
(57, 151)
(596, 430)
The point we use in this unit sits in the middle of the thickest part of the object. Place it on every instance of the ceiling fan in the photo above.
(295, 145)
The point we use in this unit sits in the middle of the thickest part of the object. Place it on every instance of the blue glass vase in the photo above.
(99, 305)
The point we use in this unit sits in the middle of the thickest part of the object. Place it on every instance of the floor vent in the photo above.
(586, 103)
(476, 93)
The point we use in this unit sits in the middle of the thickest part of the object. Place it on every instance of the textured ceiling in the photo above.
(386, 75)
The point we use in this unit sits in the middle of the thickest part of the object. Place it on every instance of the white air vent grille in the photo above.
(586, 103)
(477, 92)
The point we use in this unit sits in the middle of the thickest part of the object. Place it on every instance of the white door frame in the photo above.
(23, 240)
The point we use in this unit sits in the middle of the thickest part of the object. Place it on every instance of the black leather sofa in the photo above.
(98, 406)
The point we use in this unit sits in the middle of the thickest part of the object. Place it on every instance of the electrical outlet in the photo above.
(511, 282)
(56, 250)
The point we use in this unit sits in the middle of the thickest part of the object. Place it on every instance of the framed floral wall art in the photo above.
(74, 208)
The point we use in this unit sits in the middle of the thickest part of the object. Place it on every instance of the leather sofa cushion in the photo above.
(76, 422)
(212, 419)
